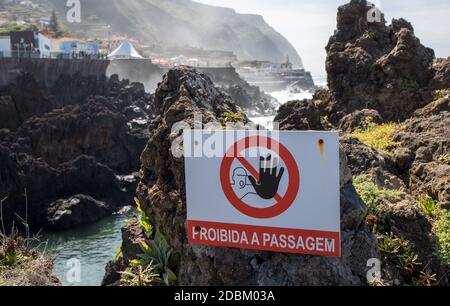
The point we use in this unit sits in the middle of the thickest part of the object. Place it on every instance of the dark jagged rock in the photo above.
(77, 210)
(132, 233)
(96, 128)
(371, 65)
(441, 78)
(85, 140)
(162, 196)
(248, 97)
(427, 134)
(299, 115)
(385, 74)
(22, 100)
(355, 120)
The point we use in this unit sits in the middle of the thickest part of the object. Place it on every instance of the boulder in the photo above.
(299, 115)
(355, 120)
(77, 210)
(373, 66)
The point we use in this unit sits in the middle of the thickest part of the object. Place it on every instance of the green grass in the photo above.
(441, 93)
(377, 136)
(156, 264)
(441, 230)
(161, 256)
(428, 205)
(373, 196)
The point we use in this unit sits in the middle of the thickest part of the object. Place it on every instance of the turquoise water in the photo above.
(89, 248)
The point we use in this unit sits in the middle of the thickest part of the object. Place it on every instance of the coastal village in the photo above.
(47, 38)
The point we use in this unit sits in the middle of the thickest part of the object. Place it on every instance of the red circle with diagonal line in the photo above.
(283, 202)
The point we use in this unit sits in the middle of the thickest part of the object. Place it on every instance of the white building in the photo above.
(5, 47)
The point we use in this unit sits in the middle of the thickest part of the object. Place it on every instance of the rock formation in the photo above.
(384, 74)
(67, 150)
(374, 66)
(162, 196)
(250, 98)
(375, 72)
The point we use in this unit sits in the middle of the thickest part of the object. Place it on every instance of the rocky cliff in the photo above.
(394, 177)
(390, 97)
(182, 23)
(68, 153)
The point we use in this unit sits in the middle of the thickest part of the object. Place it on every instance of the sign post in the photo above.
(272, 191)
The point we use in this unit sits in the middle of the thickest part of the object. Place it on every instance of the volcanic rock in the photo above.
(371, 65)
(85, 139)
(77, 210)
(162, 196)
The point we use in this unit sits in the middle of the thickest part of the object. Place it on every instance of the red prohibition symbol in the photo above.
(283, 202)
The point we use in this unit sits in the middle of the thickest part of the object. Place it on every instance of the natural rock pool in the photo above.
(92, 245)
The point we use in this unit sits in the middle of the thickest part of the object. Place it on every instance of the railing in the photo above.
(51, 55)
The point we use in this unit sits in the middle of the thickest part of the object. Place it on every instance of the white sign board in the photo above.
(274, 191)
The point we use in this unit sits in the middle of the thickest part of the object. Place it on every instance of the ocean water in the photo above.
(284, 96)
(82, 253)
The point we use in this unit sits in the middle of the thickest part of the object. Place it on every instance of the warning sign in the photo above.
(274, 191)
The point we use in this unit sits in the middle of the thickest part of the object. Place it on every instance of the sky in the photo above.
(308, 24)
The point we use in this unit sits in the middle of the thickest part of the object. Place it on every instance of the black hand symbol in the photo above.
(269, 181)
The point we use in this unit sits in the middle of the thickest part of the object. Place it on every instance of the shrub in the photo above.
(232, 117)
(399, 251)
(22, 266)
(144, 220)
(372, 195)
(159, 254)
(444, 158)
(441, 229)
(409, 85)
(157, 261)
(428, 205)
(441, 93)
(136, 275)
(377, 136)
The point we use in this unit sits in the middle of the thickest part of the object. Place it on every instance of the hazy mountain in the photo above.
(185, 22)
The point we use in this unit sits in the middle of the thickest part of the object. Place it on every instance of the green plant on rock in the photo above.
(409, 85)
(441, 93)
(444, 158)
(441, 229)
(137, 275)
(232, 117)
(13, 251)
(144, 220)
(373, 196)
(399, 251)
(425, 278)
(159, 254)
(377, 136)
(118, 252)
(428, 205)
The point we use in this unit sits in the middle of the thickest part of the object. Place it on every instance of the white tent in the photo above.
(125, 50)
